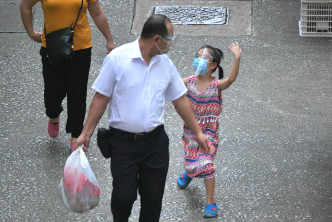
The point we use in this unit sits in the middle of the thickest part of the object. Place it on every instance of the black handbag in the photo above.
(59, 44)
(103, 136)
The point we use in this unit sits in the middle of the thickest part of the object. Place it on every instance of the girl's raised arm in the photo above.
(236, 50)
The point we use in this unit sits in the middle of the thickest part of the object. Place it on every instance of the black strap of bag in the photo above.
(59, 43)
(75, 20)
(78, 15)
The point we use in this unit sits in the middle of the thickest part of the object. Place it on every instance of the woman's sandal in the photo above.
(211, 210)
(183, 180)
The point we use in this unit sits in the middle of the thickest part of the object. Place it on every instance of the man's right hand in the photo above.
(82, 140)
(97, 108)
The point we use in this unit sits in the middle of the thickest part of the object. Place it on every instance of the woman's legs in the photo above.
(54, 87)
(76, 85)
(54, 92)
(56, 120)
(68, 79)
(209, 187)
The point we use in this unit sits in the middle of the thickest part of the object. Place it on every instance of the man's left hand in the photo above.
(203, 143)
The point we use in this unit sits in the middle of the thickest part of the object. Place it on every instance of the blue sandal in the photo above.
(211, 210)
(184, 180)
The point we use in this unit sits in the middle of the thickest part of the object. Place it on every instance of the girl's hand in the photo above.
(37, 37)
(236, 50)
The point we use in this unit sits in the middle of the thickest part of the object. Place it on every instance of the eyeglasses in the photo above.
(169, 38)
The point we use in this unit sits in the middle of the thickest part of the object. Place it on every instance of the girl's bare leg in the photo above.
(209, 187)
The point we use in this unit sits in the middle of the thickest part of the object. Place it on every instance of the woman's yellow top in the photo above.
(59, 14)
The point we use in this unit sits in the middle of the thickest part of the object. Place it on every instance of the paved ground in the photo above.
(275, 158)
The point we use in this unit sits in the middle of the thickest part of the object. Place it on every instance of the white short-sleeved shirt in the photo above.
(137, 91)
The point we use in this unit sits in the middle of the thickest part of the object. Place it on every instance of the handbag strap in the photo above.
(78, 15)
(75, 20)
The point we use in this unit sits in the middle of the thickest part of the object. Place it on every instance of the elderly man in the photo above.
(136, 80)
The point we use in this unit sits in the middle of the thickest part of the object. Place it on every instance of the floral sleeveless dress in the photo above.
(207, 107)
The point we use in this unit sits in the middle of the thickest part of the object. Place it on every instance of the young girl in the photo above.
(204, 93)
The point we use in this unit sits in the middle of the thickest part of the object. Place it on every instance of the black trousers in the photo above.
(139, 166)
(67, 79)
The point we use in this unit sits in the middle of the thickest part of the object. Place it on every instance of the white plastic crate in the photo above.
(316, 18)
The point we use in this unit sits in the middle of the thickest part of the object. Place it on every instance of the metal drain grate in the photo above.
(194, 15)
(316, 19)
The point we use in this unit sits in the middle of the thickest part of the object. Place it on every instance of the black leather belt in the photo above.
(136, 136)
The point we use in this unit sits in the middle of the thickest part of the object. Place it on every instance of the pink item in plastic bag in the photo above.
(79, 188)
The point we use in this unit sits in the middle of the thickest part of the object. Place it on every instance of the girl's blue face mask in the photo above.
(201, 60)
(200, 66)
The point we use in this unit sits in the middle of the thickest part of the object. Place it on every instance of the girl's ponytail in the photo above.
(219, 55)
(221, 72)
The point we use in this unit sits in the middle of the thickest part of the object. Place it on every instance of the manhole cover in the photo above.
(194, 15)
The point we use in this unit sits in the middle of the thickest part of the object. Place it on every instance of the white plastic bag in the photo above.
(78, 188)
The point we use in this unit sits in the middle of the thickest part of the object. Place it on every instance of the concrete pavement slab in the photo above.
(10, 19)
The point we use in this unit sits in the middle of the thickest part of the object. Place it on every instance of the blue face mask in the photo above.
(200, 66)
